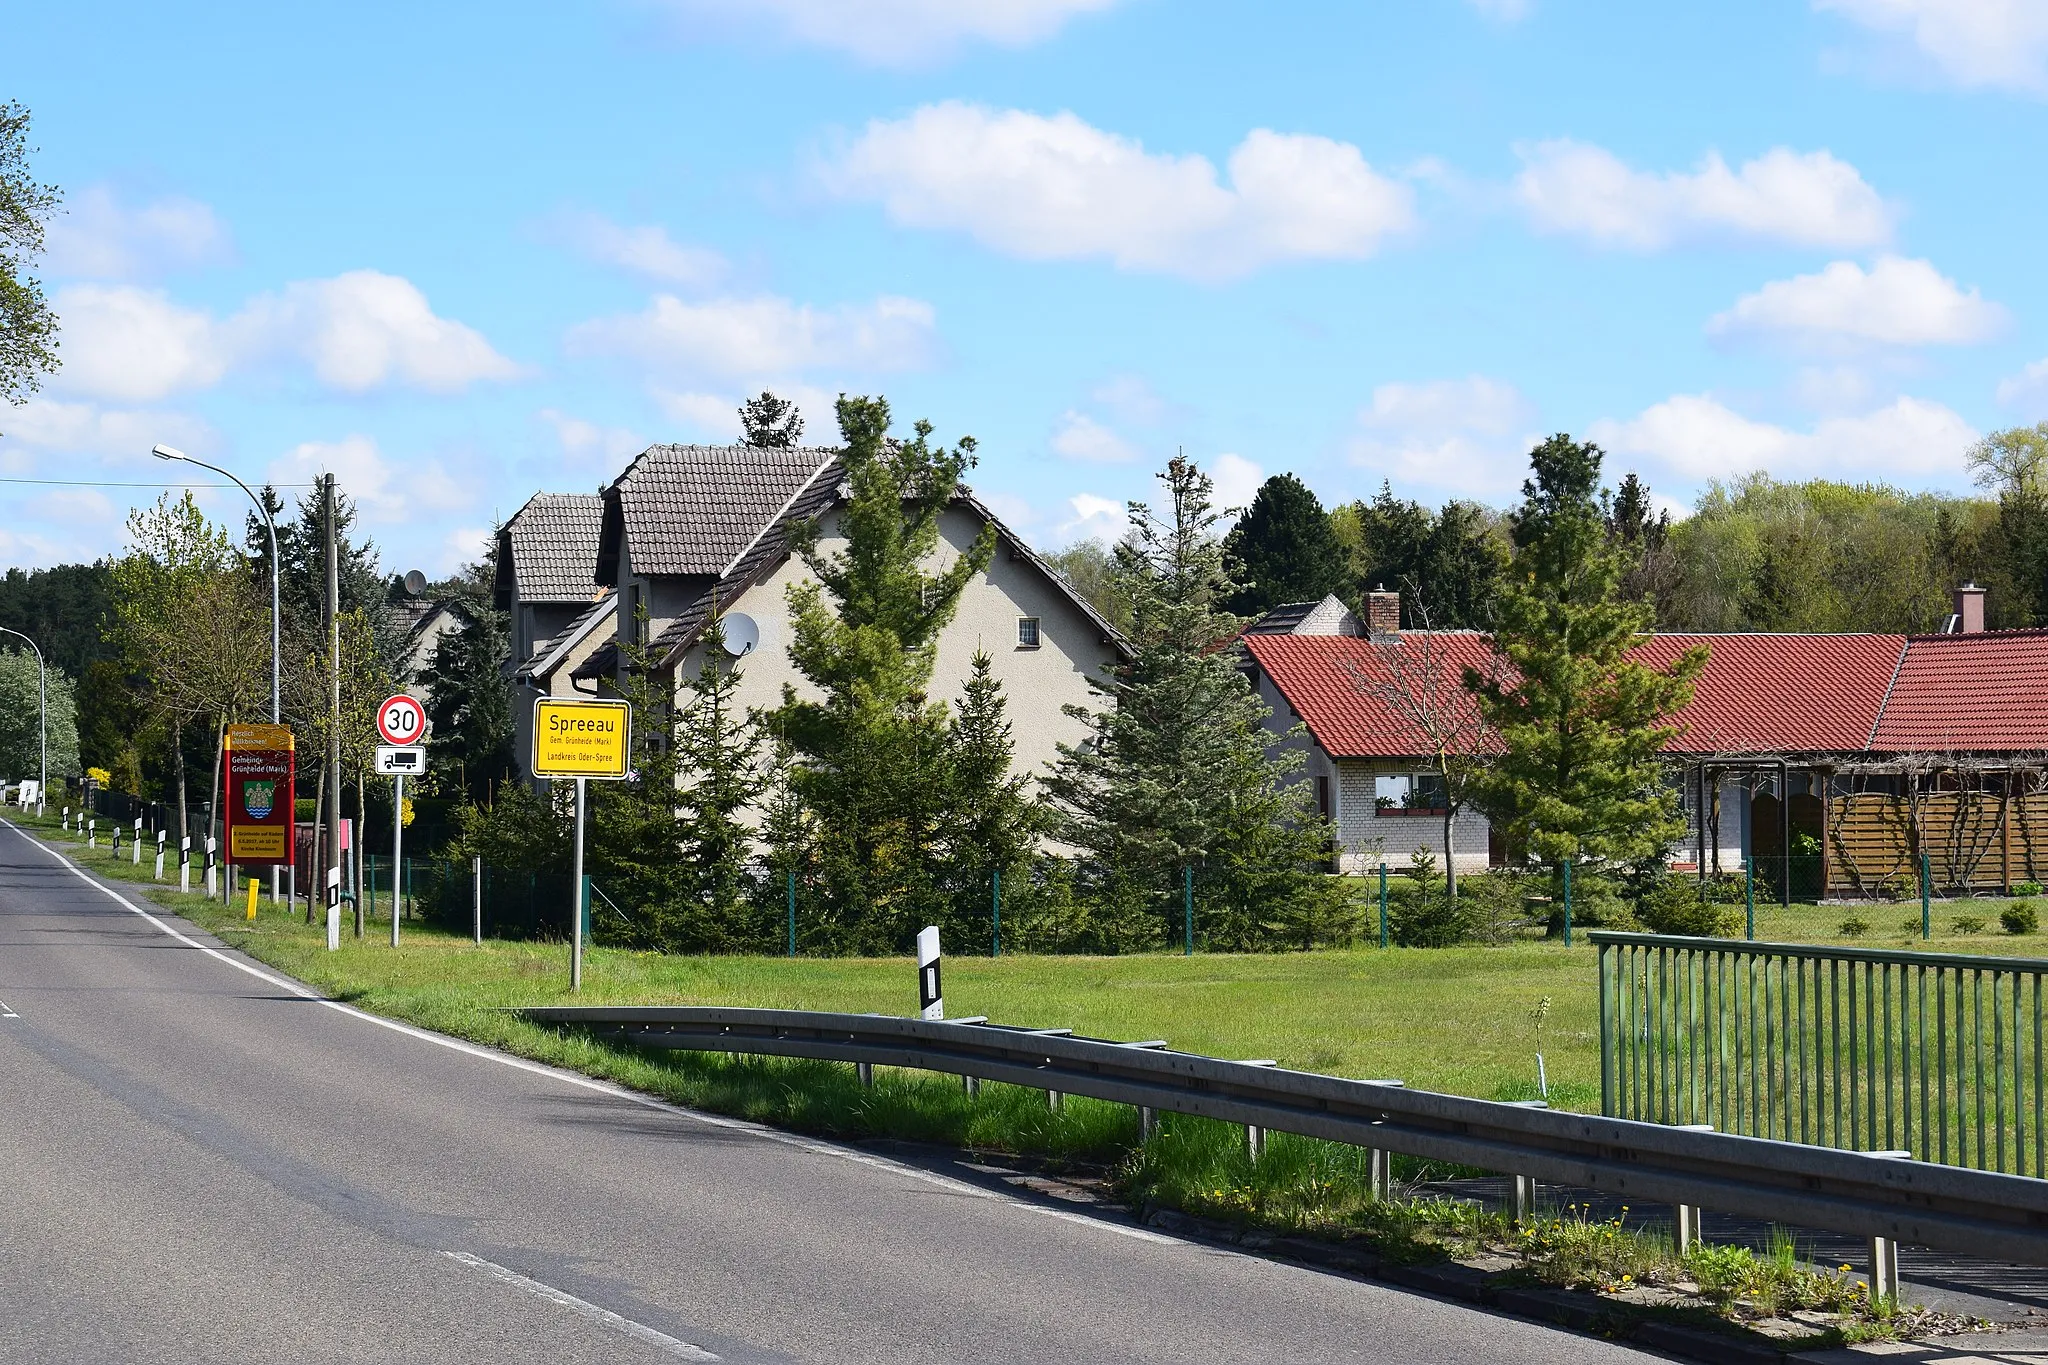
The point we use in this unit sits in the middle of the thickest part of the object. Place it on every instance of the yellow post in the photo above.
(252, 898)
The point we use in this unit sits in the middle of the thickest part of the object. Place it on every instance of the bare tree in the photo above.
(1414, 676)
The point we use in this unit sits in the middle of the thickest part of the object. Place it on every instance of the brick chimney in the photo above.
(1969, 601)
(1383, 612)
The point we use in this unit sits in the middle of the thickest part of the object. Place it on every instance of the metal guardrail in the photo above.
(1938, 1054)
(1978, 1212)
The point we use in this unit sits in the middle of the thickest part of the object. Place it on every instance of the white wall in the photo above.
(1036, 682)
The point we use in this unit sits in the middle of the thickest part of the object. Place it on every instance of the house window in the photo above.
(1027, 632)
(1323, 807)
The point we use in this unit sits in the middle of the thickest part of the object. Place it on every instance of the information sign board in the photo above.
(581, 737)
(261, 768)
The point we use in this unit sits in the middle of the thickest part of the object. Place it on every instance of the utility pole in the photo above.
(333, 716)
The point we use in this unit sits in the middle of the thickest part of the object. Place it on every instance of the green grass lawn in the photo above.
(1461, 1020)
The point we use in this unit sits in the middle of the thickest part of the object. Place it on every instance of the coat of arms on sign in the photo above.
(258, 797)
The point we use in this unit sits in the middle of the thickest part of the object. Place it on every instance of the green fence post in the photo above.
(1567, 902)
(1926, 909)
(995, 911)
(583, 899)
(792, 912)
(1187, 908)
(1383, 905)
(1749, 896)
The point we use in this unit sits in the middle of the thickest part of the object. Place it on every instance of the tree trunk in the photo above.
(1450, 864)
(314, 883)
(178, 766)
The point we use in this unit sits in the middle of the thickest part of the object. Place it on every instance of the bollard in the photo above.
(334, 909)
(476, 872)
(252, 897)
(92, 831)
(114, 844)
(931, 1002)
(211, 884)
(160, 855)
(185, 863)
(136, 847)
(67, 819)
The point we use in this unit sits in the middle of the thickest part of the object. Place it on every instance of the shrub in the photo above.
(1492, 903)
(1675, 905)
(1911, 924)
(1968, 924)
(2026, 888)
(1421, 915)
(2020, 917)
(1853, 927)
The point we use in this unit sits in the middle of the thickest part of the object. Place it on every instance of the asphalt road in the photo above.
(200, 1162)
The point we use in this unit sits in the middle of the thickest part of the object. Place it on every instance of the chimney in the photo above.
(1383, 612)
(1969, 609)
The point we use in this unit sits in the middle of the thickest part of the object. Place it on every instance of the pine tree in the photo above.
(636, 852)
(770, 421)
(716, 753)
(1581, 723)
(992, 825)
(872, 751)
(1181, 772)
(1283, 549)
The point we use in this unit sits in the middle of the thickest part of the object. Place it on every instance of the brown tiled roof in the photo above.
(684, 510)
(549, 548)
(543, 660)
(754, 563)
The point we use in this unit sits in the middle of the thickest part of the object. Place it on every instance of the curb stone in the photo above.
(1570, 1309)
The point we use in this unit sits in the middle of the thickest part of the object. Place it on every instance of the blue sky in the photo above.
(463, 252)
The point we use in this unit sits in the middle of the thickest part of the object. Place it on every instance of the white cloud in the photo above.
(99, 237)
(85, 428)
(1989, 44)
(898, 32)
(1897, 302)
(588, 443)
(1467, 437)
(384, 491)
(358, 331)
(2028, 389)
(1132, 399)
(645, 250)
(463, 545)
(764, 335)
(364, 329)
(1092, 517)
(1698, 437)
(1802, 198)
(1060, 189)
(1237, 480)
(1081, 437)
(134, 345)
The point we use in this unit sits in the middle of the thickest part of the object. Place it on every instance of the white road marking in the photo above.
(811, 1145)
(661, 1341)
(6, 1013)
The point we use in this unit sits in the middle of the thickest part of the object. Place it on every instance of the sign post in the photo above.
(262, 768)
(931, 1000)
(587, 740)
(395, 761)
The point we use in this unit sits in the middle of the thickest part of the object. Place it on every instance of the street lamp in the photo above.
(43, 713)
(166, 453)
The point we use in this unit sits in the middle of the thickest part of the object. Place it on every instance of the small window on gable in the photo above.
(1027, 632)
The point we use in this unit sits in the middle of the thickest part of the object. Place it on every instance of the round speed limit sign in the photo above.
(401, 720)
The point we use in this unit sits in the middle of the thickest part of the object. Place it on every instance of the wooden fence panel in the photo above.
(1870, 843)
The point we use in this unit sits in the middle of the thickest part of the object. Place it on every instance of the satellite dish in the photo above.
(742, 633)
(415, 582)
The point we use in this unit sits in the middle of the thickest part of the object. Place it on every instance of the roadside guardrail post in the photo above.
(864, 1072)
(1525, 1198)
(1884, 1251)
(1255, 1140)
(1686, 1218)
(1148, 1123)
(1380, 1173)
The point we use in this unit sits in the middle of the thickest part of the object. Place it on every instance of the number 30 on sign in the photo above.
(401, 720)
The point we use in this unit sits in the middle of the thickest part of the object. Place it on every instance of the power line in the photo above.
(107, 483)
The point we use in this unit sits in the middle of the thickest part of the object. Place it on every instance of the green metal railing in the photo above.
(1870, 1050)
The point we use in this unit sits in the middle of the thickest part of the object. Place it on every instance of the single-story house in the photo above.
(1865, 751)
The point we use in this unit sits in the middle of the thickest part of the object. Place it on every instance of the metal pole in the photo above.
(791, 887)
(1567, 902)
(1749, 894)
(1383, 905)
(1785, 827)
(1187, 903)
(1926, 907)
(576, 928)
(995, 912)
(276, 713)
(42, 711)
(333, 712)
(476, 872)
(397, 847)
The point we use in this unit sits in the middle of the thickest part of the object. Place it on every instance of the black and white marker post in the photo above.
(931, 1001)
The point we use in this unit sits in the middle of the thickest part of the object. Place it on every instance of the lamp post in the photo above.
(42, 713)
(166, 453)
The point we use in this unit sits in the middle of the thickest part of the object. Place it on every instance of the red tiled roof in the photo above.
(1982, 692)
(1757, 694)
(1780, 693)
(1328, 680)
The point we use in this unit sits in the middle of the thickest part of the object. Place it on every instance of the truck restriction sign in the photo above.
(401, 721)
